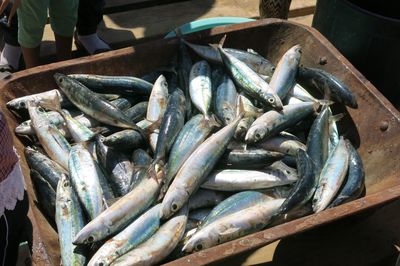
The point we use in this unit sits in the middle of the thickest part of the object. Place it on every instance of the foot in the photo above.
(92, 43)
(10, 56)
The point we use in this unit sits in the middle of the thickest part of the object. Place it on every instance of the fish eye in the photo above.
(228, 119)
(199, 247)
(258, 136)
(174, 207)
(101, 264)
(66, 184)
(22, 104)
(271, 100)
(90, 239)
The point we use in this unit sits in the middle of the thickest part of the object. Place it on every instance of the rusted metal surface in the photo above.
(374, 127)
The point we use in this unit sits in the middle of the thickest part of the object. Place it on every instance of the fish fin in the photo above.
(335, 118)
(105, 203)
(249, 50)
(213, 121)
(325, 102)
(222, 41)
(53, 104)
(229, 231)
(97, 130)
(240, 110)
(220, 44)
(156, 171)
(150, 129)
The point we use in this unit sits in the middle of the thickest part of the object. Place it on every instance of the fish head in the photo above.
(229, 117)
(173, 201)
(273, 100)
(254, 134)
(29, 152)
(23, 129)
(199, 241)
(91, 233)
(16, 105)
(296, 49)
(61, 80)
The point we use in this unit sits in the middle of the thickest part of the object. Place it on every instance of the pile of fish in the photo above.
(137, 171)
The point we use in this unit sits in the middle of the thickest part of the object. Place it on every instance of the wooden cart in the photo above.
(374, 127)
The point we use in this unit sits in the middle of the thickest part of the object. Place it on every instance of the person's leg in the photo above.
(11, 229)
(32, 17)
(31, 56)
(90, 14)
(11, 51)
(63, 47)
(63, 17)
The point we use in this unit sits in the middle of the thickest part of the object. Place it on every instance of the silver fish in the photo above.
(21, 103)
(47, 168)
(283, 79)
(332, 176)
(225, 101)
(157, 106)
(160, 245)
(196, 168)
(233, 226)
(250, 81)
(200, 86)
(85, 180)
(235, 203)
(91, 104)
(133, 235)
(205, 198)
(53, 142)
(233, 180)
(191, 136)
(273, 122)
(121, 213)
(284, 142)
(69, 219)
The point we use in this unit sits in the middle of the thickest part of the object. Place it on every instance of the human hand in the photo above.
(14, 8)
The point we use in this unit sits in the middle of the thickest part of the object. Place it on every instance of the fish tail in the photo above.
(53, 104)
(156, 171)
(213, 121)
(335, 118)
(220, 44)
(325, 102)
(151, 128)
